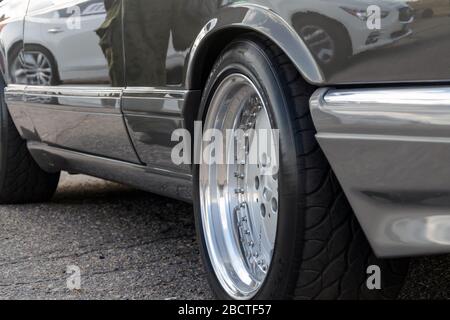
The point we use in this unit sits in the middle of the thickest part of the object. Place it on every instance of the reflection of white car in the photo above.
(59, 50)
(347, 20)
(11, 28)
(67, 42)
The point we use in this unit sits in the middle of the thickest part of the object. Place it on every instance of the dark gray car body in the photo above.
(116, 122)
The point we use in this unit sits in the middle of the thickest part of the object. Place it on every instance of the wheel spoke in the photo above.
(32, 68)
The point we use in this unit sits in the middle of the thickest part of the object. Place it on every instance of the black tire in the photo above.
(338, 34)
(21, 179)
(320, 251)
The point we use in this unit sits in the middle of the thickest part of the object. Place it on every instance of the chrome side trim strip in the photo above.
(76, 91)
(154, 102)
(402, 111)
(97, 92)
(171, 184)
(82, 99)
(432, 96)
(390, 149)
(150, 91)
(15, 93)
(15, 88)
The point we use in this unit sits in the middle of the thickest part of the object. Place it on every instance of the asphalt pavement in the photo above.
(127, 244)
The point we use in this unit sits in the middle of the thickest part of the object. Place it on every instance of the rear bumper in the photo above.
(390, 149)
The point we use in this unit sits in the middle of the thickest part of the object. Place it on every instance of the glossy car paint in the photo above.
(81, 111)
(130, 72)
(81, 119)
(390, 150)
(175, 25)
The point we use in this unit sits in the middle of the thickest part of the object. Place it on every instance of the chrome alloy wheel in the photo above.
(32, 67)
(239, 199)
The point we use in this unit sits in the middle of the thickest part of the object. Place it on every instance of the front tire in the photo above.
(319, 250)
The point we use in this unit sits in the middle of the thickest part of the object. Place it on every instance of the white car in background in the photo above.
(53, 51)
(53, 42)
(54, 55)
(347, 19)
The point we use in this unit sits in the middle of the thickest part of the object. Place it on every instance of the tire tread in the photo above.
(23, 180)
(335, 252)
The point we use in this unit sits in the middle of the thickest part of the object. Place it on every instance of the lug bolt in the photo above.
(239, 175)
(239, 191)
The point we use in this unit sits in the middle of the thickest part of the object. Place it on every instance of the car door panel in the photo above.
(79, 119)
(74, 78)
(158, 35)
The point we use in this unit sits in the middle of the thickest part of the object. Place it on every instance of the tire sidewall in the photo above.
(3, 134)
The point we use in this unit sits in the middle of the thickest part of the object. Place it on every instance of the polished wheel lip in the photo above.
(227, 198)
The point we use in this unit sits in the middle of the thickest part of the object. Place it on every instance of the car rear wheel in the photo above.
(21, 179)
(279, 227)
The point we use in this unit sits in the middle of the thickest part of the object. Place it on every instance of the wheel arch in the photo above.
(50, 55)
(235, 20)
(27, 46)
(231, 23)
(5, 57)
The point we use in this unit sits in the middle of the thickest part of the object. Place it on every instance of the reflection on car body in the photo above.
(100, 87)
(336, 30)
